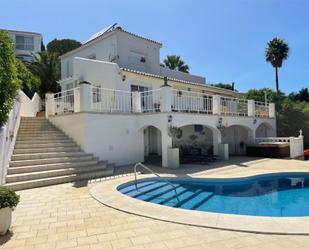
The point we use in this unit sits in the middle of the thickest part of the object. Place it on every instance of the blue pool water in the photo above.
(274, 195)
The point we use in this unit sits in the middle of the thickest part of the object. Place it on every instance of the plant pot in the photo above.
(5, 220)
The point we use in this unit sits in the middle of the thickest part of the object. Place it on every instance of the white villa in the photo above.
(27, 44)
(120, 104)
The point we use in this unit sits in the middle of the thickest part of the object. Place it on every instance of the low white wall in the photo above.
(29, 107)
(8, 135)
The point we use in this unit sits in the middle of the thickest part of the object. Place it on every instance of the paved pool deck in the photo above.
(66, 216)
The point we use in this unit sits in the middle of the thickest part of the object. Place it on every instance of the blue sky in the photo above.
(222, 40)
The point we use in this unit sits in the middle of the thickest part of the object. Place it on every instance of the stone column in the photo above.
(166, 98)
(49, 104)
(216, 105)
(136, 102)
(272, 110)
(85, 96)
(76, 100)
(251, 108)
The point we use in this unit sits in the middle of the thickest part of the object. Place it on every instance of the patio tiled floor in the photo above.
(66, 216)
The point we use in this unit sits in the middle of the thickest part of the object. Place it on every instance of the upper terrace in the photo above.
(88, 98)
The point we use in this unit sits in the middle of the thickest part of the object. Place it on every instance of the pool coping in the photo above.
(107, 194)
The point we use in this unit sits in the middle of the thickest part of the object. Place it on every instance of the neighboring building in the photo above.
(125, 104)
(27, 44)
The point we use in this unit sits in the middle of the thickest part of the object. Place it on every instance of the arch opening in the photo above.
(264, 130)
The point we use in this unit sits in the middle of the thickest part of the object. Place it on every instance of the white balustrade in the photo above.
(187, 101)
(64, 102)
(151, 100)
(110, 100)
(233, 106)
(261, 109)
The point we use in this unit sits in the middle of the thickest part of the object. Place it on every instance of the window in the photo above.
(24, 42)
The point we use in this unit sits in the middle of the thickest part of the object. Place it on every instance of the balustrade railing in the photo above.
(233, 106)
(187, 101)
(64, 101)
(261, 109)
(151, 100)
(110, 100)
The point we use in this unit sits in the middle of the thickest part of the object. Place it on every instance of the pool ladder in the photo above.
(156, 174)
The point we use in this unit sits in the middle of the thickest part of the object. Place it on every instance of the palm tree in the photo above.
(47, 68)
(276, 52)
(174, 62)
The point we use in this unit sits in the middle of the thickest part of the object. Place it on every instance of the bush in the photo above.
(9, 83)
(8, 198)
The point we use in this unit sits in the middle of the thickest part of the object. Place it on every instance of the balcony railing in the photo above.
(64, 101)
(187, 101)
(164, 99)
(110, 100)
(233, 106)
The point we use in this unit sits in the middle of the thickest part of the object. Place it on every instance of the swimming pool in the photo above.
(276, 195)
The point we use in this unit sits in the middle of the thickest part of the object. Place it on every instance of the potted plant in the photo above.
(8, 201)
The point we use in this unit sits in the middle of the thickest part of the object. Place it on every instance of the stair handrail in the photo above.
(154, 173)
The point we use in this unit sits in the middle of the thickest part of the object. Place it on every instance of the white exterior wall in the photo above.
(29, 107)
(37, 39)
(119, 138)
(103, 50)
(128, 44)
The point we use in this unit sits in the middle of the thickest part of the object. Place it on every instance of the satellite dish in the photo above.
(101, 32)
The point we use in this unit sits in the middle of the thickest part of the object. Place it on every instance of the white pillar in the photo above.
(166, 141)
(85, 97)
(251, 108)
(49, 104)
(136, 102)
(166, 98)
(216, 105)
(272, 110)
(76, 100)
(216, 140)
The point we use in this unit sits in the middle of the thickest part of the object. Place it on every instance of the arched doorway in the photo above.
(152, 142)
(237, 137)
(195, 142)
(264, 130)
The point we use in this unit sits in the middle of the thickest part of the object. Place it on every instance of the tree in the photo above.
(26, 77)
(62, 46)
(174, 62)
(302, 95)
(276, 52)
(46, 68)
(9, 83)
(225, 86)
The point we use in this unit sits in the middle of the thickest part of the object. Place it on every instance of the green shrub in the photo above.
(9, 83)
(8, 198)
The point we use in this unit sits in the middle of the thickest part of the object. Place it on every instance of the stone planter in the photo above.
(173, 158)
(5, 220)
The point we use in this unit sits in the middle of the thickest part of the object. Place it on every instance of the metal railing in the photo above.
(233, 106)
(64, 101)
(261, 109)
(187, 101)
(156, 174)
(151, 100)
(111, 100)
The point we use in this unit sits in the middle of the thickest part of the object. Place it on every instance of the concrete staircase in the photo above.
(44, 155)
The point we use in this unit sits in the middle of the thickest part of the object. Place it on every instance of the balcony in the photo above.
(87, 98)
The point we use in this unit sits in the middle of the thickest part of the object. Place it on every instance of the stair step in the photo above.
(42, 137)
(31, 156)
(51, 160)
(44, 167)
(52, 173)
(45, 150)
(36, 132)
(60, 179)
(44, 145)
(44, 141)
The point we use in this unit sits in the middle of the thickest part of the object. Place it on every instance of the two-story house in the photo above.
(27, 44)
(118, 103)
